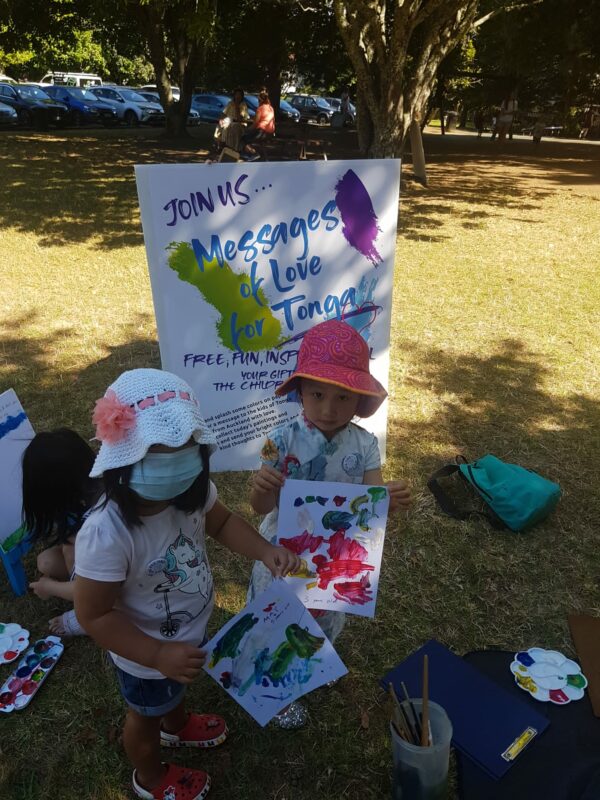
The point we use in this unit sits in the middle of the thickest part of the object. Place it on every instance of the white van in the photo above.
(83, 80)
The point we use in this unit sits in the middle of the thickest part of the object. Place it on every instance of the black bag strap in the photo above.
(443, 500)
(449, 507)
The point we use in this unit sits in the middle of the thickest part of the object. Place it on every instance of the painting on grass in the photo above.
(15, 434)
(337, 529)
(271, 653)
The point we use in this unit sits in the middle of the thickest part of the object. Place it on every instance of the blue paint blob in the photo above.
(23, 672)
(525, 659)
(298, 502)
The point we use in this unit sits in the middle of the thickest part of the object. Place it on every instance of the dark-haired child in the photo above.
(57, 493)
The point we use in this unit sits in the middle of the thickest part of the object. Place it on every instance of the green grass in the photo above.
(495, 349)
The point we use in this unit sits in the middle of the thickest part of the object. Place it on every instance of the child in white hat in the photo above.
(144, 588)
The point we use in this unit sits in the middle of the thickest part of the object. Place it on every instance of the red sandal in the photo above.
(178, 784)
(200, 730)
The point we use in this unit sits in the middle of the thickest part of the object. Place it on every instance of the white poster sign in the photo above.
(245, 258)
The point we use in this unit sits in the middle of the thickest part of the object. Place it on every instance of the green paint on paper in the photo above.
(247, 322)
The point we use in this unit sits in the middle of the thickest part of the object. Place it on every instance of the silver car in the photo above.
(131, 107)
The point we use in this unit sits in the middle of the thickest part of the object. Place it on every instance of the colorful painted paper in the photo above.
(15, 434)
(245, 258)
(271, 653)
(548, 676)
(338, 530)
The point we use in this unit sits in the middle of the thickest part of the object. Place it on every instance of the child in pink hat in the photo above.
(144, 588)
(334, 385)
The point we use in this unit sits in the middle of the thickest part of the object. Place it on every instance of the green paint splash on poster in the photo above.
(246, 322)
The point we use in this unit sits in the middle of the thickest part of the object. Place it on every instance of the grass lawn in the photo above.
(496, 348)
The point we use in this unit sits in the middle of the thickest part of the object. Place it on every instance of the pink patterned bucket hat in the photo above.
(141, 408)
(334, 352)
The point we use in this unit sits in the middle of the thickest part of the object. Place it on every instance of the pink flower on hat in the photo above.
(112, 418)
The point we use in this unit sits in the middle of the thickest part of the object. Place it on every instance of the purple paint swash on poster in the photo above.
(358, 215)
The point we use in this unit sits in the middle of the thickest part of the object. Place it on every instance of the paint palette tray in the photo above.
(30, 673)
(548, 676)
(13, 640)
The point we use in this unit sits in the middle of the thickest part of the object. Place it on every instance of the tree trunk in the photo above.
(395, 50)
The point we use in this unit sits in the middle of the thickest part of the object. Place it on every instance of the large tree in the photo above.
(177, 34)
(396, 48)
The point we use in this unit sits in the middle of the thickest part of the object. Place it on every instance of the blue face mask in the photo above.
(163, 476)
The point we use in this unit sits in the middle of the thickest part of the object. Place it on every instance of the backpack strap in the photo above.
(449, 507)
(443, 500)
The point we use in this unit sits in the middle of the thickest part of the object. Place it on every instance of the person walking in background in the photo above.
(506, 115)
(478, 120)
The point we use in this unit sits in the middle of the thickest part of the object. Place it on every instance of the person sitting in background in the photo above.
(263, 125)
(231, 124)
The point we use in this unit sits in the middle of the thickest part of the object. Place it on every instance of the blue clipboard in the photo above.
(490, 725)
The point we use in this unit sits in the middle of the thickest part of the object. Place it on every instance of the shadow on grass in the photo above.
(54, 397)
(472, 180)
(77, 187)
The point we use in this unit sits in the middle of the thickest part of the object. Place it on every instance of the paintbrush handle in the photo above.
(425, 706)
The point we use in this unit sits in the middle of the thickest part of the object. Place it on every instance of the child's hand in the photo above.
(280, 560)
(180, 661)
(43, 587)
(267, 479)
(400, 495)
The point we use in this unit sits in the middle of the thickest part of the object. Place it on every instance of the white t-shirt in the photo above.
(167, 585)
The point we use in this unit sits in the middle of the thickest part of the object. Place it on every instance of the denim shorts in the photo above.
(150, 697)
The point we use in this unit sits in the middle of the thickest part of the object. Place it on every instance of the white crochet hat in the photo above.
(141, 408)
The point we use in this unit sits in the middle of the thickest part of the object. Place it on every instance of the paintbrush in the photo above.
(425, 704)
(417, 726)
(402, 717)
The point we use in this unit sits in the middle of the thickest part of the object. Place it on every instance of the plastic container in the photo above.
(421, 773)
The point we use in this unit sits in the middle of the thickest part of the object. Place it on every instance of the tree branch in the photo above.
(504, 10)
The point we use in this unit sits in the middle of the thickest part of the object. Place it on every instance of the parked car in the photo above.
(153, 97)
(336, 104)
(131, 107)
(84, 107)
(6, 79)
(8, 115)
(33, 106)
(82, 80)
(312, 108)
(152, 87)
(209, 106)
(286, 111)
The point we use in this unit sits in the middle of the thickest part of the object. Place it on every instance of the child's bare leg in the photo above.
(175, 720)
(141, 739)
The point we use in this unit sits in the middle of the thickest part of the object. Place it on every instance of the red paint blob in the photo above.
(29, 687)
(10, 654)
(6, 698)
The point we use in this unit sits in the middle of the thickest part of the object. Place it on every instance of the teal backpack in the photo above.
(515, 497)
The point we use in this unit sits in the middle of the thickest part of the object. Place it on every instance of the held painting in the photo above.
(338, 530)
(271, 653)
